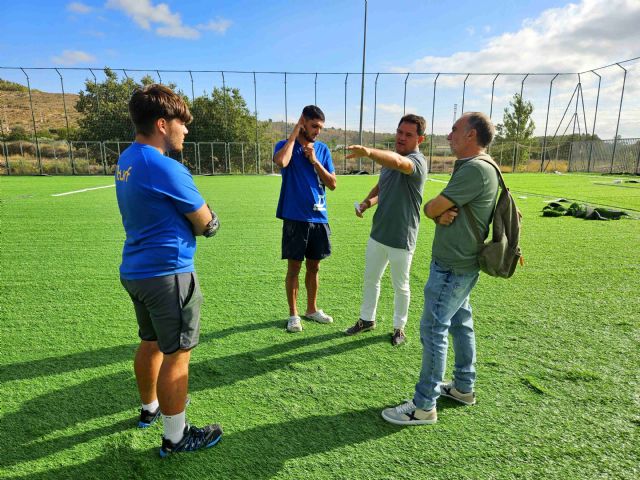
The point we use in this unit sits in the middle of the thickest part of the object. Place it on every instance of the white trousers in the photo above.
(377, 257)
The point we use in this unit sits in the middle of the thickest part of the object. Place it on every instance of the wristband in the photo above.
(213, 226)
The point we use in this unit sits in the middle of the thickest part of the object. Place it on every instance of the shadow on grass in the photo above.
(107, 395)
(256, 453)
(104, 356)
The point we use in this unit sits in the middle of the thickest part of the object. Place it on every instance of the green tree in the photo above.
(222, 116)
(518, 127)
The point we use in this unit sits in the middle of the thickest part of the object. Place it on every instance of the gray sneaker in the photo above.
(408, 414)
(294, 324)
(450, 391)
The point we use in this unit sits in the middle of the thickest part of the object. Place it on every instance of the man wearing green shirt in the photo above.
(453, 274)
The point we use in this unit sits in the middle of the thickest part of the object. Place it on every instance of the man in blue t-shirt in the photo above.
(162, 211)
(307, 169)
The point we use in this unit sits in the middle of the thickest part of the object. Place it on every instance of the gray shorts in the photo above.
(167, 309)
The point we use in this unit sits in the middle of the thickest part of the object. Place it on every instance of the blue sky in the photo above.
(402, 36)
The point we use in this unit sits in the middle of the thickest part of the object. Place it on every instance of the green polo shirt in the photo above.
(473, 182)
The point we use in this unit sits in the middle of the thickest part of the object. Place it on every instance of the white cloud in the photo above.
(575, 38)
(78, 7)
(219, 25)
(72, 57)
(391, 108)
(146, 14)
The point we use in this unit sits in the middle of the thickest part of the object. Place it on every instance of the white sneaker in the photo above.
(450, 391)
(319, 317)
(294, 324)
(408, 414)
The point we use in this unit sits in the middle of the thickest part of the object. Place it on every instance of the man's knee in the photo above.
(313, 266)
(293, 268)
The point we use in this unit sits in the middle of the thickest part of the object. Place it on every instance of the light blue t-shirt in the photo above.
(154, 193)
(302, 194)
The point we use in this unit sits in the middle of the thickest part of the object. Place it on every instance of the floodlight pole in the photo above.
(364, 53)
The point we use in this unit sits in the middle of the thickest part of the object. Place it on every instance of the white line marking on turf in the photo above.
(439, 181)
(80, 191)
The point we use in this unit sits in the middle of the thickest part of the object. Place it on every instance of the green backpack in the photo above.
(499, 256)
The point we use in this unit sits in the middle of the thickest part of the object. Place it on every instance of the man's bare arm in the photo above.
(283, 156)
(200, 219)
(441, 210)
(369, 201)
(385, 158)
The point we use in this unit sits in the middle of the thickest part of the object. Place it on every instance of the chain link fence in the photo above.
(42, 133)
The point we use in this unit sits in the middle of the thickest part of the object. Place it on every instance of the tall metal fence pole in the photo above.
(346, 78)
(159, 77)
(493, 88)
(95, 83)
(404, 101)
(575, 118)
(225, 138)
(255, 114)
(33, 122)
(375, 114)
(66, 119)
(464, 88)
(546, 124)
(595, 117)
(615, 139)
(193, 106)
(4, 148)
(286, 118)
(433, 111)
(315, 90)
(516, 145)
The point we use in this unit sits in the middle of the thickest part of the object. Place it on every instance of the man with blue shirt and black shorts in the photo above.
(306, 168)
(162, 212)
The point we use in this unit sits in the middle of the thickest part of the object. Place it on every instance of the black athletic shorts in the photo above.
(167, 309)
(302, 240)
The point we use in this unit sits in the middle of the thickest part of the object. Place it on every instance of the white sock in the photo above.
(151, 407)
(174, 426)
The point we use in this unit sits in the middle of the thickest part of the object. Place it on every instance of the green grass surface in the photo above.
(558, 346)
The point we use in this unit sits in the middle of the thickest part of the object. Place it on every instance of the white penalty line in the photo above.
(80, 191)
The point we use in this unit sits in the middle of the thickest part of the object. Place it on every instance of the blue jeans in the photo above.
(446, 311)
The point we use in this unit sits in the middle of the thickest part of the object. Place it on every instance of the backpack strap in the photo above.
(472, 220)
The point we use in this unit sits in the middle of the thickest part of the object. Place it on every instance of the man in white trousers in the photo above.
(394, 229)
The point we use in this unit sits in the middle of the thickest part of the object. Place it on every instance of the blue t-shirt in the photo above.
(302, 194)
(154, 194)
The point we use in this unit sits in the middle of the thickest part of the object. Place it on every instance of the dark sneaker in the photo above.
(398, 337)
(194, 438)
(360, 326)
(450, 391)
(148, 418)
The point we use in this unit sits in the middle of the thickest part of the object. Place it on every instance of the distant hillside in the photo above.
(335, 136)
(48, 109)
(15, 111)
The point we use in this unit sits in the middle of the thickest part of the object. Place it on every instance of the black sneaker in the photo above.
(398, 337)
(194, 438)
(360, 326)
(148, 418)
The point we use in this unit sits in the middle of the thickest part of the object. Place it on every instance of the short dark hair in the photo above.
(311, 112)
(481, 123)
(417, 120)
(155, 101)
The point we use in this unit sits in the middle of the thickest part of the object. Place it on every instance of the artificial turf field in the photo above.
(558, 346)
